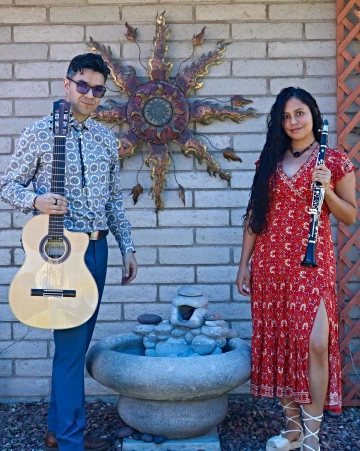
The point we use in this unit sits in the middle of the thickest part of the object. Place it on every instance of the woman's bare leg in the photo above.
(318, 373)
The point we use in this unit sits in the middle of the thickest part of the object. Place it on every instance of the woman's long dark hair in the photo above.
(277, 143)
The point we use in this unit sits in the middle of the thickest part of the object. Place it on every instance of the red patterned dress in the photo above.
(285, 296)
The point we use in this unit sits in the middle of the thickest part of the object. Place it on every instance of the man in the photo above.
(92, 203)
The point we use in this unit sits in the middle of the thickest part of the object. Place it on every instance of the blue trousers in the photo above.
(66, 415)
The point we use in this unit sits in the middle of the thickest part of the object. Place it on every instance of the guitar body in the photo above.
(54, 289)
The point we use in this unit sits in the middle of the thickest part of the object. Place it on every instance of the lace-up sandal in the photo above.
(280, 443)
(309, 433)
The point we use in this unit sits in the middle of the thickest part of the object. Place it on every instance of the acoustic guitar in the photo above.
(54, 289)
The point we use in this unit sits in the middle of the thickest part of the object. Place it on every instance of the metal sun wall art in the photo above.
(158, 111)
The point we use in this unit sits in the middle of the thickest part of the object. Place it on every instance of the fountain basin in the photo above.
(178, 397)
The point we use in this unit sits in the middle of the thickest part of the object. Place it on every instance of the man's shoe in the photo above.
(90, 443)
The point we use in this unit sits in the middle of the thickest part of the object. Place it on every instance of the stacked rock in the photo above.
(191, 330)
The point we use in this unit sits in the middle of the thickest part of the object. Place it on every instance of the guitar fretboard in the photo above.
(56, 222)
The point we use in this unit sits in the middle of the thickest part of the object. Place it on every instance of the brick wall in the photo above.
(275, 43)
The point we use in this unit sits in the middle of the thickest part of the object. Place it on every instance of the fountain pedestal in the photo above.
(170, 391)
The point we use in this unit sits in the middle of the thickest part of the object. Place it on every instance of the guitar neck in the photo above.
(56, 222)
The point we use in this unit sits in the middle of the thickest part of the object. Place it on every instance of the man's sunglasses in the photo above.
(84, 88)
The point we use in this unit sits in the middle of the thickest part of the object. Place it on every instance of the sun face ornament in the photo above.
(158, 111)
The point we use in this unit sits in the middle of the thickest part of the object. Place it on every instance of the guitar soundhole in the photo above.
(54, 250)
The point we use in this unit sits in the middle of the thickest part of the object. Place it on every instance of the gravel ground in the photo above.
(249, 423)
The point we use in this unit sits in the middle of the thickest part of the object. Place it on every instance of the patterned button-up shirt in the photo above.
(99, 205)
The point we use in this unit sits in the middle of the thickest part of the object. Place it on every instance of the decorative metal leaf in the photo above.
(136, 191)
(182, 193)
(131, 32)
(230, 155)
(199, 38)
(240, 101)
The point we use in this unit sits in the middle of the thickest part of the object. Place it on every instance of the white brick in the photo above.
(180, 49)
(24, 89)
(229, 12)
(24, 350)
(130, 293)
(10, 238)
(40, 70)
(179, 32)
(261, 31)
(161, 275)
(302, 11)
(4, 295)
(215, 199)
(193, 218)
(163, 237)
(7, 274)
(6, 313)
(267, 68)
(104, 329)
(33, 107)
(5, 332)
(84, 14)
(232, 86)
(250, 125)
(48, 2)
(5, 71)
(248, 142)
(244, 328)
(33, 333)
(48, 33)
(5, 34)
(5, 254)
(236, 216)
(14, 52)
(194, 255)
(300, 49)
(39, 367)
(326, 104)
(5, 368)
(139, 219)
(321, 67)
(13, 126)
(5, 110)
(320, 30)
(22, 15)
(132, 311)
(170, 198)
(65, 52)
(20, 388)
(144, 256)
(214, 235)
(242, 179)
(214, 293)
(232, 310)
(239, 50)
(214, 274)
(145, 13)
(314, 85)
(93, 388)
(110, 312)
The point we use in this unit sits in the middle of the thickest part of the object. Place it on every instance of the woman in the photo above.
(295, 353)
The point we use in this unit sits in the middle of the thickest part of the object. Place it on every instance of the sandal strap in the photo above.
(288, 419)
(308, 432)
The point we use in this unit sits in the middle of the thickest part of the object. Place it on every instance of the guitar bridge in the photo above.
(53, 292)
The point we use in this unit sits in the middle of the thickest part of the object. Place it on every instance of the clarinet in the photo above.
(316, 204)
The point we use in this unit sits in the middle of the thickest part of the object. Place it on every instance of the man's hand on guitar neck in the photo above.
(51, 204)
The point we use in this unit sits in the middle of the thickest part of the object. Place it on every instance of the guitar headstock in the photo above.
(61, 118)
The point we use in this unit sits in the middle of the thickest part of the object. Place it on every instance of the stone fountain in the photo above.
(173, 375)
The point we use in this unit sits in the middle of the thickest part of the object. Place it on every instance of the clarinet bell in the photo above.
(309, 259)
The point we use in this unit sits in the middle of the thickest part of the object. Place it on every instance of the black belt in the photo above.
(98, 235)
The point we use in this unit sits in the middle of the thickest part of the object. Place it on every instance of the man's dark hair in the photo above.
(88, 61)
